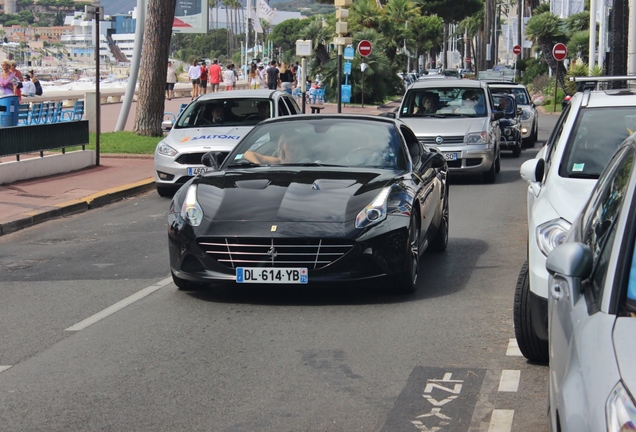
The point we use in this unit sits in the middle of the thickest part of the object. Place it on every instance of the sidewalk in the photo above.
(29, 202)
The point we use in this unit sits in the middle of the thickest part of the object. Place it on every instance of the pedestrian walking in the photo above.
(204, 79)
(261, 71)
(286, 78)
(229, 77)
(215, 76)
(273, 76)
(254, 77)
(194, 73)
(171, 79)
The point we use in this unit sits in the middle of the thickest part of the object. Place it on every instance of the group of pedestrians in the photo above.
(14, 83)
(273, 76)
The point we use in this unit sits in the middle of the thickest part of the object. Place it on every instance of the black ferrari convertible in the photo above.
(312, 199)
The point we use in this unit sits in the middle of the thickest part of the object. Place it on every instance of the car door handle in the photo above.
(555, 291)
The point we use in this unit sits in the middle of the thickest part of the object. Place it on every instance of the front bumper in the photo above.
(368, 256)
(470, 158)
(173, 171)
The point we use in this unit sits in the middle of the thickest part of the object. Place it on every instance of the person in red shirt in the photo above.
(215, 76)
(204, 79)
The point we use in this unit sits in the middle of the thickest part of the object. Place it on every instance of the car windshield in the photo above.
(505, 104)
(225, 112)
(521, 94)
(321, 142)
(595, 137)
(444, 102)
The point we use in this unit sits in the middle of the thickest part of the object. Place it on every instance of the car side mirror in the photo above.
(533, 170)
(519, 111)
(497, 115)
(571, 260)
(437, 159)
(213, 159)
(537, 102)
(390, 114)
(166, 125)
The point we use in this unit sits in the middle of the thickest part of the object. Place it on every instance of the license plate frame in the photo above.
(194, 171)
(272, 275)
(450, 156)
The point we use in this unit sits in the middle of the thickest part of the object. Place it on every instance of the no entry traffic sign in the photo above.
(364, 48)
(516, 49)
(559, 51)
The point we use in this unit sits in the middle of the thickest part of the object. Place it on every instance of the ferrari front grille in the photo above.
(274, 252)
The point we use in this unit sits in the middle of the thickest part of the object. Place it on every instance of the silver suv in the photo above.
(458, 118)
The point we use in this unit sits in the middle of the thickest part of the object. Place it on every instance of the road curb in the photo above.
(69, 208)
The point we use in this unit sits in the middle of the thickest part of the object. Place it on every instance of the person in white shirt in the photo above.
(261, 70)
(28, 88)
(229, 77)
(194, 73)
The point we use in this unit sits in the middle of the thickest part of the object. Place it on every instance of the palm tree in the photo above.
(365, 13)
(546, 29)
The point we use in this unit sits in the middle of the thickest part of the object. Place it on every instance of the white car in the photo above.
(560, 180)
(213, 122)
(592, 308)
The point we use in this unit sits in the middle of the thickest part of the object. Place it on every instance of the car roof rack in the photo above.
(594, 82)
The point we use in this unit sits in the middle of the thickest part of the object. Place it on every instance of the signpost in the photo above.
(560, 52)
(304, 50)
(516, 49)
(364, 48)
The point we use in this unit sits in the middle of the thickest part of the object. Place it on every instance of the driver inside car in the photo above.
(290, 150)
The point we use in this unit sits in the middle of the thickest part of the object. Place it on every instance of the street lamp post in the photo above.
(95, 11)
(340, 41)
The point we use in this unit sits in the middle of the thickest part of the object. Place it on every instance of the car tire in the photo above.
(186, 285)
(489, 176)
(407, 280)
(532, 348)
(166, 192)
(516, 151)
(440, 241)
(498, 161)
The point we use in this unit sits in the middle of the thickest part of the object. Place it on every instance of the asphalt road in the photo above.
(355, 358)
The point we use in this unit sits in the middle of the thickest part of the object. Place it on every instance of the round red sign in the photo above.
(559, 51)
(516, 49)
(364, 48)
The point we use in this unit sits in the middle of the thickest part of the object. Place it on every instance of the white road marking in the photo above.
(501, 421)
(513, 348)
(119, 305)
(509, 381)
(4, 368)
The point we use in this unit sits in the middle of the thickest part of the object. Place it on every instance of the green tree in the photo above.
(285, 34)
(364, 14)
(153, 71)
(546, 29)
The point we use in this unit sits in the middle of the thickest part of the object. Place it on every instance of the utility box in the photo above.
(9, 107)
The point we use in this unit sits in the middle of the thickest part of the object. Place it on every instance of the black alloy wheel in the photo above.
(407, 280)
(440, 241)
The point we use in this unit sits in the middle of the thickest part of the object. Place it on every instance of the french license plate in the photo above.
(197, 171)
(271, 275)
(450, 156)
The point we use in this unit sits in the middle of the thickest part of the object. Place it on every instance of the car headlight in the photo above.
(620, 410)
(165, 149)
(374, 212)
(477, 138)
(191, 211)
(507, 131)
(526, 114)
(551, 234)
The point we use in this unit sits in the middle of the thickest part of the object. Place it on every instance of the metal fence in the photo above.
(19, 140)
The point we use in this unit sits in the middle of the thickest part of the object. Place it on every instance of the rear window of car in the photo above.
(594, 138)
(235, 112)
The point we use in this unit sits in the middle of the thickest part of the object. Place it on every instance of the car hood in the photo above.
(209, 138)
(450, 126)
(288, 195)
(568, 196)
(623, 338)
